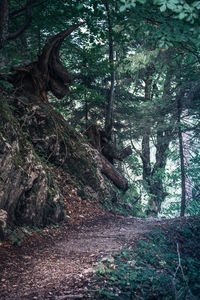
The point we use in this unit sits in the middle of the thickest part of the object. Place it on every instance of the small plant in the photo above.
(164, 265)
(16, 236)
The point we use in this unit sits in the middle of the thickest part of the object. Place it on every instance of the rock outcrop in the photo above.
(25, 187)
(34, 142)
(3, 223)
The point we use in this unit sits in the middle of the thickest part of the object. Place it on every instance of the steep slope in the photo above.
(43, 163)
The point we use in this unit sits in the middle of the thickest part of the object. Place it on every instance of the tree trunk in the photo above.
(153, 177)
(125, 153)
(146, 136)
(110, 93)
(187, 158)
(181, 154)
(86, 112)
(4, 18)
(156, 189)
(115, 176)
(39, 41)
(35, 79)
(98, 140)
(4, 21)
(146, 156)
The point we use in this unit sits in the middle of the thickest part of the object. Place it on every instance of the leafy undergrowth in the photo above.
(165, 264)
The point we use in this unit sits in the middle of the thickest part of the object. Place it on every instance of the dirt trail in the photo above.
(58, 268)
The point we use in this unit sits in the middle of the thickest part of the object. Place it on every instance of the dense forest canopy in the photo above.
(129, 67)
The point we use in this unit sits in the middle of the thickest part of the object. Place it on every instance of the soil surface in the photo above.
(57, 265)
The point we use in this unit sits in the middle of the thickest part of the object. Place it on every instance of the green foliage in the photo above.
(6, 111)
(17, 235)
(180, 8)
(152, 269)
(159, 33)
(126, 4)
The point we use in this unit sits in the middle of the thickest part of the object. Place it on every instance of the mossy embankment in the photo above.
(45, 165)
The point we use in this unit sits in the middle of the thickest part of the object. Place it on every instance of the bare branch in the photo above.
(183, 275)
(52, 42)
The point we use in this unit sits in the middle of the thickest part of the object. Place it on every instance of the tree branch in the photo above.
(53, 43)
(21, 10)
(28, 9)
(4, 18)
(183, 275)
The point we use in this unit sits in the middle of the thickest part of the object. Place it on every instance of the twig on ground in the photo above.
(187, 291)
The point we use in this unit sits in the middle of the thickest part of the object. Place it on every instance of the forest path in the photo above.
(58, 267)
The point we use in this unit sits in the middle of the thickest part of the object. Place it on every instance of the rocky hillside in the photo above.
(44, 163)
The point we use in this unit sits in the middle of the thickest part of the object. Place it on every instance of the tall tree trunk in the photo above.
(110, 93)
(153, 176)
(39, 41)
(187, 158)
(86, 112)
(146, 136)
(181, 154)
(4, 18)
(163, 138)
(156, 188)
(146, 160)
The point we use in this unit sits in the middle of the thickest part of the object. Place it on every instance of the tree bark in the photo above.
(153, 176)
(4, 18)
(125, 153)
(98, 140)
(115, 176)
(146, 137)
(146, 156)
(146, 168)
(95, 138)
(110, 93)
(86, 112)
(181, 154)
(35, 79)
(20, 30)
(4, 21)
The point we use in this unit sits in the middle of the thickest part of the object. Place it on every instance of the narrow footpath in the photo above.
(59, 266)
